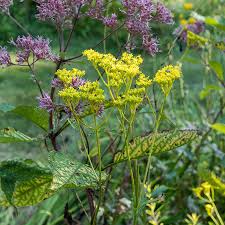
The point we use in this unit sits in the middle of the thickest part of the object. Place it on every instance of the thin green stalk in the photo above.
(153, 142)
(216, 211)
(94, 220)
(82, 139)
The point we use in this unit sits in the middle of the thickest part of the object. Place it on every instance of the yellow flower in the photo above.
(66, 76)
(183, 22)
(192, 20)
(91, 92)
(209, 209)
(93, 56)
(188, 6)
(206, 188)
(198, 191)
(69, 93)
(166, 76)
(143, 81)
(130, 59)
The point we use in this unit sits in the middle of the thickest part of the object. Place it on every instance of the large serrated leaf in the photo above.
(164, 141)
(10, 135)
(72, 174)
(28, 183)
(38, 116)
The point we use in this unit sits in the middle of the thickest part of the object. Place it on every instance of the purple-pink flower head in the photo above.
(110, 21)
(97, 10)
(58, 11)
(57, 83)
(163, 14)
(138, 15)
(150, 44)
(5, 59)
(38, 47)
(46, 103)
(51, 10)
(5, 4)
(77, 82)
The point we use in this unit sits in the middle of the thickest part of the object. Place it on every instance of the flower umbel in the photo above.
(29, 46)
(5, 4)
(166, 77)
(71, 77)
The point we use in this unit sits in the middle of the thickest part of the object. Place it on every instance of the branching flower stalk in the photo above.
(205, 192)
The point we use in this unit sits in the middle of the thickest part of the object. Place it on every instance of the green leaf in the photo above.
(164, 141)
(72, 174)
(24, 184)
(208, 90)
(219, 127)
(191, 60)
(10, 135)
(38, 116)
(218, 68)
(8, 186)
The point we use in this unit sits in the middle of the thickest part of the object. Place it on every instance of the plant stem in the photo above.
(94, 219)
(18, 23)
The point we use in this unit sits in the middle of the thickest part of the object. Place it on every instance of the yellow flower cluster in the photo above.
(66, 76)
(188, 6)
(205, 188)
(121, 74)
(129, 59)
(133, 97)
(195, 40)
(166, 77)
(69, 93)
(90, 92)
(118, 71)
(143, 81)
(185, 22)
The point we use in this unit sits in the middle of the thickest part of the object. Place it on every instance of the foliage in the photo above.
(120, 84)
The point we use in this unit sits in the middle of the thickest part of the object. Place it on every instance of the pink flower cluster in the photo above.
(5, 59)
(163, 14)
(45, 102)
(51, 10)
(28, 46)
(139, 14)
(62, 11)
(5, 4)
